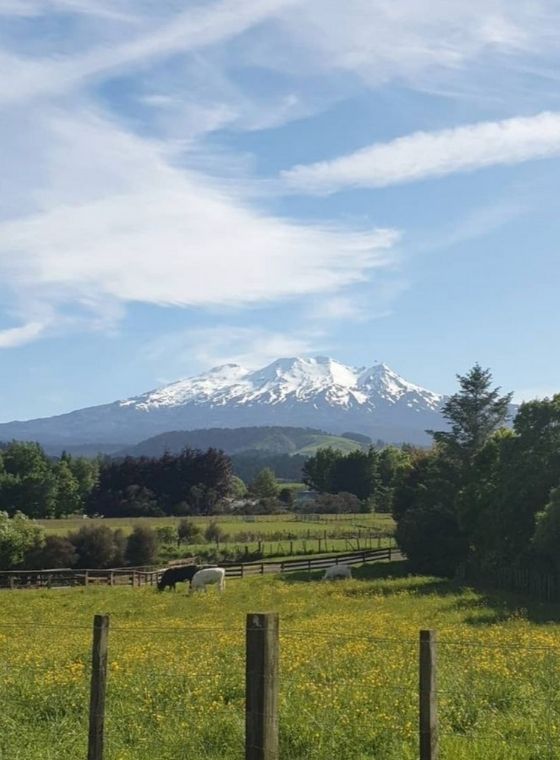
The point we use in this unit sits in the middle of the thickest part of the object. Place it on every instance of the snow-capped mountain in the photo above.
(317, 392)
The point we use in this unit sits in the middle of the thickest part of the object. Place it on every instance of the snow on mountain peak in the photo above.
(317, 380)
(318, 392)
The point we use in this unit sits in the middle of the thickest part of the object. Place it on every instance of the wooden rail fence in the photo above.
(245, 569)
(18, 579)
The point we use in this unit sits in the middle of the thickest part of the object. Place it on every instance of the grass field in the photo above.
(261, 526)
(270, 535)
(348, 670)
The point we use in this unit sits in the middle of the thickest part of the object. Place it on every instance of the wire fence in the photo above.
(203, 692)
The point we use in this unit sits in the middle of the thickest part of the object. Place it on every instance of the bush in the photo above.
(18, 537)
(214, 533)
(119, 542)
(56, 551)
(167, 536)
(97, 546)
(141, 546)
(432, 541)
(188, 532)
(334, 503)
(286, 496)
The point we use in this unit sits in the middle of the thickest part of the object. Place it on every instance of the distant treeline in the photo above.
(32, 483)
(189, 483)
(247, 465)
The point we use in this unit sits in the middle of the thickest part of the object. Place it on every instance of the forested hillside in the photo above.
(270, 440)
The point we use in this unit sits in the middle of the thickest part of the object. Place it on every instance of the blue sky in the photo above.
(184, 184)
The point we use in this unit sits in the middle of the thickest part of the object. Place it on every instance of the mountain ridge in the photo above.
(318, 392)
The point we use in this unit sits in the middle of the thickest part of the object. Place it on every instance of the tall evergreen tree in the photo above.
(475, 412)
(265, 484)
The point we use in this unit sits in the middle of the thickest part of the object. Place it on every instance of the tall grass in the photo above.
(348, 670)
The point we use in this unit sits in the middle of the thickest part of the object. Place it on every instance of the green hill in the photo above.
(269, 440)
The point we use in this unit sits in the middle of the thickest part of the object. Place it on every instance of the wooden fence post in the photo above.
(261, 707)
(428, 696)
(98, 687)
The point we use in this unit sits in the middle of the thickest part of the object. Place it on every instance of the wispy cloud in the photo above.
(120, 224)
(191, 30)
(423, 155)
(250, 347)
(18, 336)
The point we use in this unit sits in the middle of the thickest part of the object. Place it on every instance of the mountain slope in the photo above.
(318, 392)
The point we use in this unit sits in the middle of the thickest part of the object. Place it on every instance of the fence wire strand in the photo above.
(321, 690)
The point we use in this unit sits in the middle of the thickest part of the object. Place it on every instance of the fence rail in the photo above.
(527, 581)
(67, 577)
(243, 569)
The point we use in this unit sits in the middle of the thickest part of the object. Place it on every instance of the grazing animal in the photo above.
(174, 575)
(208, 576)
(337, 571)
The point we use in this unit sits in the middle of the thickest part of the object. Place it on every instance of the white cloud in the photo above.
(115, 222)
(32, 8)
(18, 336)
(407, 40)
(25, 78)
(250, 347)
(422, 155)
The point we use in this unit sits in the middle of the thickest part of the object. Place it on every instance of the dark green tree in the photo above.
(265, 485)
(356, 473)
(475, 412)
(188, 532)
(317, 471)
(96, 546)
(56, 551)
(432, 540)
(392, 465)
(546, 540)
(286, 496)
(68, 499)
(141, 546)
(27, 481)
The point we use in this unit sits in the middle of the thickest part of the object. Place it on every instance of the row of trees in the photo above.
(370, 476)
(484, 493)
(189, 483)
(34, 484)
(192, 482)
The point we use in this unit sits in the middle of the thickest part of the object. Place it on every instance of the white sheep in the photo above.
(208, 576)
(337, 571)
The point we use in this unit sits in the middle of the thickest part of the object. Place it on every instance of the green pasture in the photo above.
(348, 670)
(268, 535)
(259, 526)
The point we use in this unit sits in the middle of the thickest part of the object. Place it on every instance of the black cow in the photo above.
(174, 575)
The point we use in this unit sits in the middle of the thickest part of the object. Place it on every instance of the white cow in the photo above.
(208, 576)
(337, 571)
